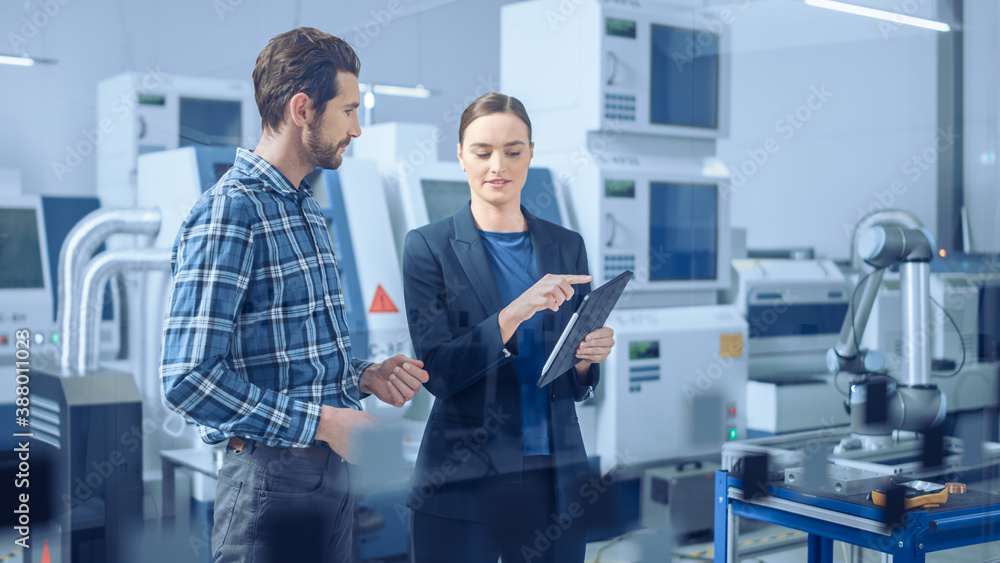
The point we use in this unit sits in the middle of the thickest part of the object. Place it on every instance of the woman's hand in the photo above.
(593, 350)
(550, 293)
(596, 346)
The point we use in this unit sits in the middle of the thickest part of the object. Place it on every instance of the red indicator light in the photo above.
(732, 411)
(3, 339)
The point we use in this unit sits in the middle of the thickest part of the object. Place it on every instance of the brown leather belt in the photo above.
(318, 453)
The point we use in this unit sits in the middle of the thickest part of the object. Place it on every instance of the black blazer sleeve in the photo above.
(454, 361)
(584, 391)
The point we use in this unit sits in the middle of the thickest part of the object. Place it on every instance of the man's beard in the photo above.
(320, 153)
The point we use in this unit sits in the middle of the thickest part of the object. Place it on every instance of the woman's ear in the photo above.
(459, 153)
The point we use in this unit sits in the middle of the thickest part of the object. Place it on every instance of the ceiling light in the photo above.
(879, 14)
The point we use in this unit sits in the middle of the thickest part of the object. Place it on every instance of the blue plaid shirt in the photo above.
(256, 336)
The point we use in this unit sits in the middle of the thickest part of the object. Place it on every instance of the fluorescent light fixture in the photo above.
(16, 61)
(369, 100)
(418, 92)
(879, 14)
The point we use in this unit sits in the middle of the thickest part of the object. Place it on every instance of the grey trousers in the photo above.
(282, 504)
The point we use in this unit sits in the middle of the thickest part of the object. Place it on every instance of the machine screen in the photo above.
(213, 123)
(684, 79)
(619, 28)
(683, 232)
(20, 250)
(444, 197)
(645, 350)
(619, 188)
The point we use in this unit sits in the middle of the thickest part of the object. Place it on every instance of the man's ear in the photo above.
(300, 109)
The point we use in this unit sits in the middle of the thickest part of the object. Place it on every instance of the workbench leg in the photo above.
(167, 466)
(721, 516)
(820, 549)
(732, 536)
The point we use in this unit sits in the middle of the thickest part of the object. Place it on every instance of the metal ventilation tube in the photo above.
(98, 272)
(80, 245)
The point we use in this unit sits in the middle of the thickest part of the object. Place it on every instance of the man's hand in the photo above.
(394, 381)
(594, 349)
(340, 427)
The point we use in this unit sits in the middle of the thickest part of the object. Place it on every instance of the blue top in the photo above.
(256, 339)
(512, 260)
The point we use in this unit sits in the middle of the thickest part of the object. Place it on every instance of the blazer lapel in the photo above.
(468, 248)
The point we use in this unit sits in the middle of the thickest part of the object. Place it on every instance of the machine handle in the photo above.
(683, 464)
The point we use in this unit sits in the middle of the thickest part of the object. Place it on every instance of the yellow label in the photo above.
(730, 345)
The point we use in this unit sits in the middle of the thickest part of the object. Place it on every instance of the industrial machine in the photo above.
(86, 432)
(629, 133)
(626, 101)
(898, 415)
(139, 113)
(794, 309)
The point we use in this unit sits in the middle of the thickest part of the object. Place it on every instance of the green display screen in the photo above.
(619, 188)
(645, 350)
(620, 28)
(152, 99)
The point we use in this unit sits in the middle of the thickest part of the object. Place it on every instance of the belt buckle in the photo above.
(238, 444)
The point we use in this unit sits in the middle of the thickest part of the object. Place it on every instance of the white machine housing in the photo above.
(25, 307)
(367, 213)
(138, 113)
(955, 293)
(31, 308)
(610, 194)
(774, 295)
(590, 69)
(960, 298)
(677, 388)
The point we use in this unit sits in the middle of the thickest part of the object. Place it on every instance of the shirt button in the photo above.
(553, 396)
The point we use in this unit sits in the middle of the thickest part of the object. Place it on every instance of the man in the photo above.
(255, 346)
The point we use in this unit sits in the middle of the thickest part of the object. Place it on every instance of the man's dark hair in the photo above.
(303, 60)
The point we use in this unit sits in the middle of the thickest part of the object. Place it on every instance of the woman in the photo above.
(488, 291)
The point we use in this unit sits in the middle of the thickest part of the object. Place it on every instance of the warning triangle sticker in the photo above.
(46, 558)
(381, 303)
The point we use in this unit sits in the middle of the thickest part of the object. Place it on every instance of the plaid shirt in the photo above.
(256, 336)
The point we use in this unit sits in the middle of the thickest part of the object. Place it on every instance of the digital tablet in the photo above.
(591, 315)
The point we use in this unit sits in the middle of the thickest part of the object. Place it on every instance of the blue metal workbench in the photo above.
(968, 519)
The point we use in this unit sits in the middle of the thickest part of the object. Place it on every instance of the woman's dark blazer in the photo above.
(471, 452)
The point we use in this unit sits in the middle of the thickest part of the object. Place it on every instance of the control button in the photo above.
(733, 434)
(39, 338)
(732, 410)
(3, 339)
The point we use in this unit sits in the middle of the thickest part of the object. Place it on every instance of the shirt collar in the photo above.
(254, 166)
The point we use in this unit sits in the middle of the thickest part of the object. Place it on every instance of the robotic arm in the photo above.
(917, 404)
